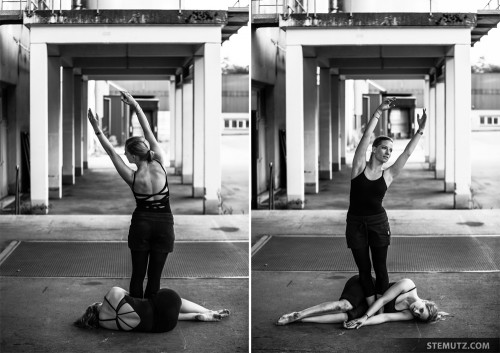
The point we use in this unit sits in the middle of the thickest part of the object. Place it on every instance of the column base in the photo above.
(85, 165)
(449, 186)
(187, 179)
(426, 159)
(198, 191)
(439, 174)
(78, 171)
(295, 202)
(311, 188)
(211, 206)
(172, 162)
(68, 179)
(325, 175)
(432, 166)
(463, 200)
(55, 193)
(40, 206)
(342, 160)
(178, 170)
(336, 167)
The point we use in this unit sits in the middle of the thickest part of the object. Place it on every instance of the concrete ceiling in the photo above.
(376, 62)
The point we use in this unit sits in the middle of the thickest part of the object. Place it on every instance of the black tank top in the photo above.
(390, 307)
(147, 204)
(366, 195)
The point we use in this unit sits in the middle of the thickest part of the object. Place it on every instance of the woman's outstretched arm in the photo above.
(396, 168)
(125, 172)
(359, 160)
(146, 128)
(380, 319)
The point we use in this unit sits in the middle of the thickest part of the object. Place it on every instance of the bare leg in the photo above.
(327, 319)
(317, 310)
(193, 311)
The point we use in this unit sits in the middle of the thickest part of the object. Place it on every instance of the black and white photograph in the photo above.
(375, 176)
(124, 176)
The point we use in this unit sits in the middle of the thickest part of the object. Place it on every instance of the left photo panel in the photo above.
(124, 176)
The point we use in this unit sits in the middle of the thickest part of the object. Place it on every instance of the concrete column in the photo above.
(187, 133)
(440, 134)
(172, 100)
(335, 116)
(343, 125)
(325, 126)
(68, 166)
(295, 125)
(432, 127)
(213, 127)
(55, 128)
(463, 170)
(85, 124)
(449, 130)
(78, 113)
(199, 128)
(178, 129)
(311, 127)
(39, 117)
(349, 112)
(426, 106)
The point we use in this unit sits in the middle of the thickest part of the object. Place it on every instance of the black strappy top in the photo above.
(147, 204)
(390, 307)
(366, 195)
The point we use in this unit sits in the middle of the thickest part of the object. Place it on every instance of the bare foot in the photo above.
(209, 316)
(287, 319)
(223, 312)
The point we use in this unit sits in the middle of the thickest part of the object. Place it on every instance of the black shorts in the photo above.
(364, 231)
(166, 307)
(151, 231)
(353, 293)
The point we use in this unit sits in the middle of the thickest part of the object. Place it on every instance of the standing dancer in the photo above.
(367, 223)
(151, 234)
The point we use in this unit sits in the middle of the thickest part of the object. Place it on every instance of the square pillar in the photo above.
(199, 127)
(39, 117)
(325, 126)
(432, 127)
(85, 124)
(178, 129)
(171, 101)
(449, 130)
(213, 127)
(68, 167)
(78, 114)
(55, 128)
(440, 133)
(343, 125)
(426, 106)
(295, 125)
(335, 116)
(187, 132)
(463, 170)
(311, 127)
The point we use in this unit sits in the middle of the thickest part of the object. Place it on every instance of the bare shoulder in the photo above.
(405, 283)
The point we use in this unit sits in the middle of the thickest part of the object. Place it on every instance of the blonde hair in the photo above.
(138, 146)
(90, 319)
(433, 311)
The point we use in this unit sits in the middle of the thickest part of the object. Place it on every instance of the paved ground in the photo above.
(37, 316)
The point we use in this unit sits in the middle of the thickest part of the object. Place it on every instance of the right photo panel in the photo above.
(375, 202)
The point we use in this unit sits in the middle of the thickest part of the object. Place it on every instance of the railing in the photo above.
(260, 7)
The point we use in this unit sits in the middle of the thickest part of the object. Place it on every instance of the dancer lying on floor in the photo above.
(120, 311)
(400, 303)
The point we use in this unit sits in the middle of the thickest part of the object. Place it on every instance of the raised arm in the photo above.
(359, 160)
(393, 291)
(396, 168)
(146, 128)
(125, 172)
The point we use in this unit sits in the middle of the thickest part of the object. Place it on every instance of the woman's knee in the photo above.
(345, 305)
